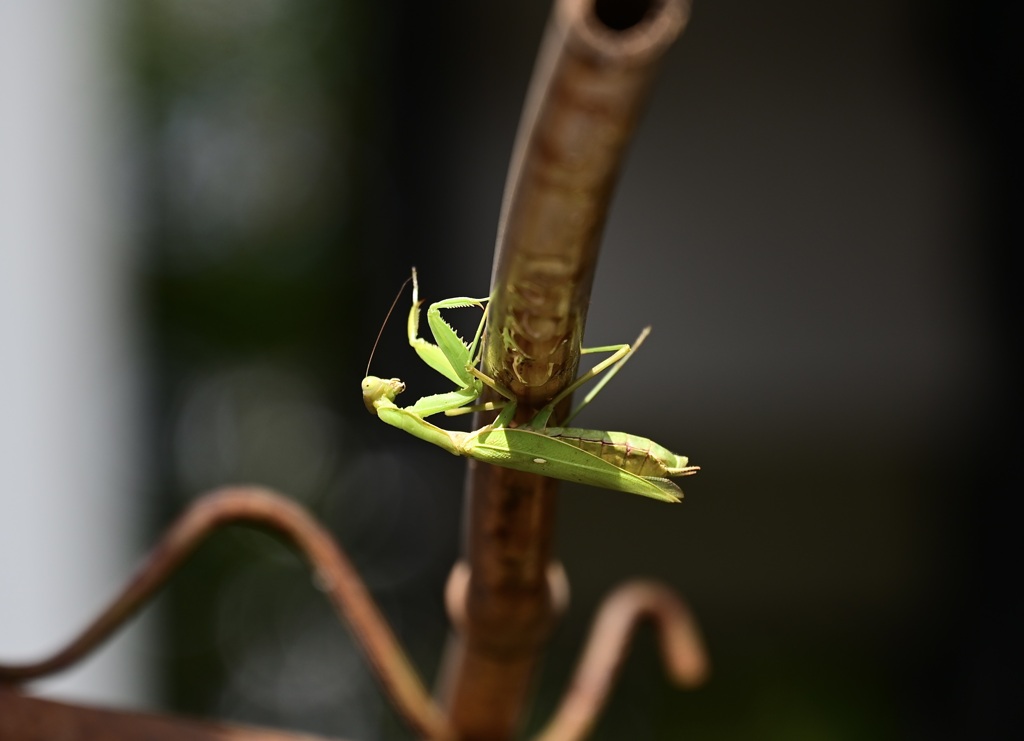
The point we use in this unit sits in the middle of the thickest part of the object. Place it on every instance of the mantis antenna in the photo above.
(394, 303)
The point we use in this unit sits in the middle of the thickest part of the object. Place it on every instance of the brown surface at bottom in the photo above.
(24, 718)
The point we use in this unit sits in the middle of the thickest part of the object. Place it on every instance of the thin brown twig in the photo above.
(335, 575)
(681, 646)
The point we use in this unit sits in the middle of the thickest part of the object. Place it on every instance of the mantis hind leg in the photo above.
(612, 364)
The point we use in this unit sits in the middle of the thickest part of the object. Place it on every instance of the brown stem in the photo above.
(590, 83)
(334, 574)
(588, 90)
(679, 639)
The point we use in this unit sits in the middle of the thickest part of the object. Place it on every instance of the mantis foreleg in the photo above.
(451, 356)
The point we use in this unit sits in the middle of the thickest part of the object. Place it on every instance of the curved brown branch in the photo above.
(589, 86)
(335, 575)
(681, 649)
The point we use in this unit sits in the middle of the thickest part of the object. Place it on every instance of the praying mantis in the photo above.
(611, 460)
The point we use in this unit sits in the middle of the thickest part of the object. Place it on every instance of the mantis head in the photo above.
(380, 390)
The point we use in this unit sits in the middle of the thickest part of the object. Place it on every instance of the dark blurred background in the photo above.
(819, 216)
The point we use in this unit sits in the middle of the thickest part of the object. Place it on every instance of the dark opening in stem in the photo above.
(621, 15)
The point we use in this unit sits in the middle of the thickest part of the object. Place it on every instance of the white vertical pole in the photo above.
(69, 513)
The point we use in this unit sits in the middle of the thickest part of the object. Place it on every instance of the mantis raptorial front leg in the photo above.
(452, 357)
(612, 460)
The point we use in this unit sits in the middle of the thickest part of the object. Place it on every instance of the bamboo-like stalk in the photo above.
(591, 81)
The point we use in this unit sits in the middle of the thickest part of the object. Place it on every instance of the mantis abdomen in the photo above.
(631, 453)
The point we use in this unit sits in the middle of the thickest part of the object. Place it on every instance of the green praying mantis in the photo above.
(612, 460)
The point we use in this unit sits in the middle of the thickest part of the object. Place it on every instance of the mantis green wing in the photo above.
(528, 450)
(535, 452)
